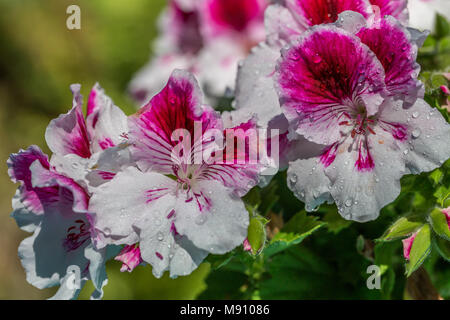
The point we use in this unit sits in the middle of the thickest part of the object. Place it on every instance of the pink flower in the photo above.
(285, 22)
(52, 200)
(130, 256)
(207, 38)
(177, 210)
(362, 102)
(407, 245)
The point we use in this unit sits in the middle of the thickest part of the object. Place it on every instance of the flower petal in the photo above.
(115, 210)
(106, 123)
(68, 134)
(217, 228)
(392, 44)
(19, 171)
(177, 106)
(255, 91)
(323, 77)
(44, 178)
(360, 194)
(428, 136)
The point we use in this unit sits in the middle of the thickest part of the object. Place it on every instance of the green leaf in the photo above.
(441, 194)
(298, 228)
(420, 250)
(438, 221)
(443, 247)
(335, 223)
(401, 228)
(219, 261)
(436, 176)
(442, 26)
(257, 233)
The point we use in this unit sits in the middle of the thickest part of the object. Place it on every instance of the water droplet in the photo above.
(107, 231)
(200, 219)
(406, 151)
(348, 203)
(317, 58)
(415, 114)
(404, 47)
(160, 236)
(416, 133)
(295, 56)
(294, 178)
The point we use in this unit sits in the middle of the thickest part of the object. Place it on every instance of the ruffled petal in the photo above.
(361, 193)
(68, 133)
(427, 146)
(44, 256)
(392, 44)
(255, 90)
(72, 193)
(217, 227)
(106, 123)
(19, 171)
(26, 220)
(324, 78)
(177, 106)
(281, 26)
(116, 211)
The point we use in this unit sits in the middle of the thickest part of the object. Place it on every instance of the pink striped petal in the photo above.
(392, 44)
(68, 133)
(324, 79)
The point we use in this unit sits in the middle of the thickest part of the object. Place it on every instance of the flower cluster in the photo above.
(337, 79)
(206, 37)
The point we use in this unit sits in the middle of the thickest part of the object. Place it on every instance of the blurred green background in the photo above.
(39, 59)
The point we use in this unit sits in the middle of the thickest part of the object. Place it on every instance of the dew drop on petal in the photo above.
(415, 114)
(416, 133)
(317, 58)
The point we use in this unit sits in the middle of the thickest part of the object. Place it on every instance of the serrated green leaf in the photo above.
(298, 228)
(441, 194)
(401, 228)
(436, 176)
(420, 249)
(438, 221)
(443, 247)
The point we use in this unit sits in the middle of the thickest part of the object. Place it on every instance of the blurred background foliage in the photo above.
(40, 58)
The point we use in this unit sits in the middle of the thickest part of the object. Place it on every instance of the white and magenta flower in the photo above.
(356, 94)
(177, 210)
(206, 37)
(52, 200)
(285, 22)
(54, 207)
(89, 150)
